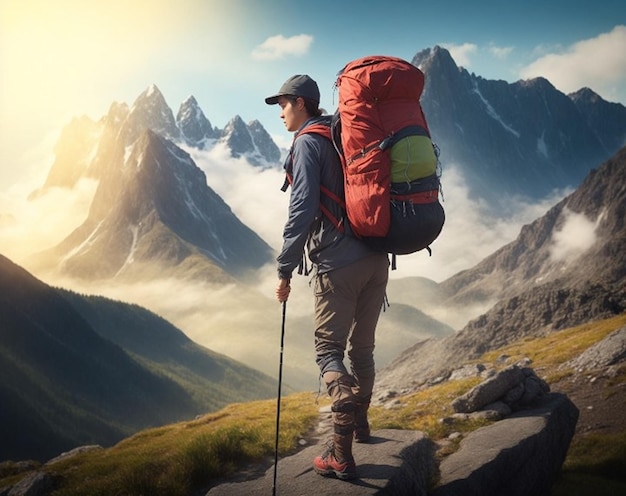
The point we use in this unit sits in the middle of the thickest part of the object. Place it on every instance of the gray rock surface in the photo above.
(518, 456)
(34, 484)
(395, 463)
(609, 351)
(489, 391)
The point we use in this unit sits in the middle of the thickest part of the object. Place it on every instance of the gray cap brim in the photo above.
(298, 85)
(273, 100)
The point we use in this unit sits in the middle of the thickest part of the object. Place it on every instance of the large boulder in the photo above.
(517, 456)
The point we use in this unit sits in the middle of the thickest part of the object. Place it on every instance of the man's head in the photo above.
(298, 99)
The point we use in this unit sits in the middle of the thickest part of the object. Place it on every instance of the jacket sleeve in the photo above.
(304, 202)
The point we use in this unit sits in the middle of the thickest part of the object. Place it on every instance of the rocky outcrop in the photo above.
(510, 389)
(34, 484)
(519, 455)
(610, 351)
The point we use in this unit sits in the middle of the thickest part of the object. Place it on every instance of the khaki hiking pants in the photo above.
(348, 302)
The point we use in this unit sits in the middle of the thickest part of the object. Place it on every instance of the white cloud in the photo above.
(576, 235)
(461, 53)
(598, 63)
(278, 47)
(499, 52)
(253, 193)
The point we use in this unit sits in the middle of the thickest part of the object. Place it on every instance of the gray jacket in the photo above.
(313, 162)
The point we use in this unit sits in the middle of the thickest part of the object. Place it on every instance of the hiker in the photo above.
(350, 278)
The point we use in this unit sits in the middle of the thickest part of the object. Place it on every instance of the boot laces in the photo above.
(329, 449)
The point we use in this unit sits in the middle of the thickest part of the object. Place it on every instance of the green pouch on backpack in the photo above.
(413, 157)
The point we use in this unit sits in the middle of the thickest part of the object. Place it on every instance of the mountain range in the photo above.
(154, 216)
(523, 139)
(153, 212)
(515, 139)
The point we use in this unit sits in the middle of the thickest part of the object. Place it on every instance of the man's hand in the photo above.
(282, 290)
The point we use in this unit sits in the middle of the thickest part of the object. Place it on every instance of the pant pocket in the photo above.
(323, 285)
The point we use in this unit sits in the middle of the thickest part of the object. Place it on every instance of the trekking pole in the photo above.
(280, 382)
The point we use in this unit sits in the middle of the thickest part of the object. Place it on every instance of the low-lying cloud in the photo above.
(573, 238)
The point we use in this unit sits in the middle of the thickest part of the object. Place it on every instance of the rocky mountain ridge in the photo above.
(78, 370)
(83, 145)
(528, 290)
(165, 222)
(515, 139)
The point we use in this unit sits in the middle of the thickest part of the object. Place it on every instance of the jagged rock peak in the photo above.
(251, 141)
(118, 111)
(539, 84)
(193, 124)
(150, 111)
(73, 152)
(264, 142)
(238, 137)
(151, 96)
(436, 56)
(586, 94)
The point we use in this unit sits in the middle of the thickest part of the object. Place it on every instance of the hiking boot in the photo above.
(327, 464)
(361, 425)
(362, 434)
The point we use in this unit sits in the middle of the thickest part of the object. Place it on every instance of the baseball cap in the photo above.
(298, 85)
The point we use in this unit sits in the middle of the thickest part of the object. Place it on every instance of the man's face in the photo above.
(292, 112)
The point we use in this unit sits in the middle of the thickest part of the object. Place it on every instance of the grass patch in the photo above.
(424, 410)
(602, 455)
(558, 347)
(182, 458)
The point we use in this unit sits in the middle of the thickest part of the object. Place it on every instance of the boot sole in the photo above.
(339, 475)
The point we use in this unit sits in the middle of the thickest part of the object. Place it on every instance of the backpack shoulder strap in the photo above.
(325, 131)
(317, 128)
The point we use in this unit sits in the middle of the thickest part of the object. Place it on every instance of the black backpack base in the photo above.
(414, 226)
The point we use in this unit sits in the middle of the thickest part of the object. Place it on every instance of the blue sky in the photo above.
(69, 57)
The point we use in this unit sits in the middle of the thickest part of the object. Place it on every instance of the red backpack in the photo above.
(390, 163)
